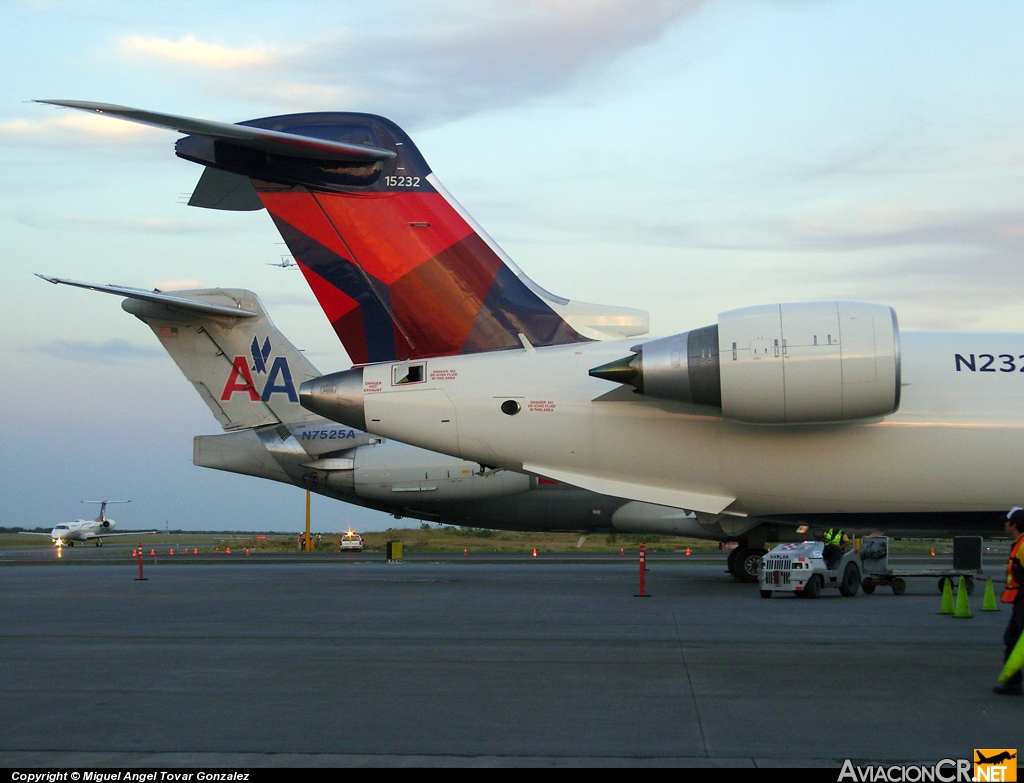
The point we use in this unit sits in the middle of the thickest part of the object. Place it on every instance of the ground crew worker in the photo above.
(835, 542)
(1013, 594)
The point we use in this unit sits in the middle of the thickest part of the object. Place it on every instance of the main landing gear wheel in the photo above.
(851, 581)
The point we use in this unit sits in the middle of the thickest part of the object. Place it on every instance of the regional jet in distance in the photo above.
(83, 530)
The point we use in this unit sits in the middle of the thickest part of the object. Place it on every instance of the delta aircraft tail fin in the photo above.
(224, 342)
(399, 267)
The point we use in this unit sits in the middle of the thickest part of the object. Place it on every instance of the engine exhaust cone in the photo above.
(625, 371)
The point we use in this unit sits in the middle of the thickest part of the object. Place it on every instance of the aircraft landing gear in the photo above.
(730, 563)
(99, 543)
(71, 543)
(743, 562)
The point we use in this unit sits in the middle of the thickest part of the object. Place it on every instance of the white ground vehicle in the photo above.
(351, 542)
(800, 568)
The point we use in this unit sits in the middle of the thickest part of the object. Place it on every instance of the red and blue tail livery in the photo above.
(398, 267)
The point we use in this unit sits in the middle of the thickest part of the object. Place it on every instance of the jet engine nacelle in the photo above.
(776, 364)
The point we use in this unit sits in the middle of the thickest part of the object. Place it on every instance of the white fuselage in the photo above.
(80, 530)
(953, 445)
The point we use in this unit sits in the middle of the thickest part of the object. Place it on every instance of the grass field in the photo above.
(433, 539)
(445, 540)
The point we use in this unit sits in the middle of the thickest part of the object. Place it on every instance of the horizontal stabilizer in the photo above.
(158, 297)
(662, 496)
(262, 139)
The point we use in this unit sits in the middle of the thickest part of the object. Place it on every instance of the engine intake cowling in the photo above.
(776, 364)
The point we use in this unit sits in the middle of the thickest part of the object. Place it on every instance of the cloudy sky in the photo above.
(684, 157)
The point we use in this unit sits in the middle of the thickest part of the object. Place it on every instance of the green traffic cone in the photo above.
(989, 604)
(1015, 662)
(947, 597)
(963, 608)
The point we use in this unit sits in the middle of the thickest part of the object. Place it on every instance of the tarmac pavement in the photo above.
(525, 662)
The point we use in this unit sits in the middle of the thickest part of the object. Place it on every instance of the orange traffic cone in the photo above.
(535, 551)
(465, 552)
(933, 551)
(622, 552)
(195, 551)
(171, 553)
(227, 551)
(134, 553)
(246, 552)
(152, 553)
(687, 551)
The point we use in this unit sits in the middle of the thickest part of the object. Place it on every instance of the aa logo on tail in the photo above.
(278, 380)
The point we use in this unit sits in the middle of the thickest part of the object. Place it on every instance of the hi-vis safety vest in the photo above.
(1010, 593)
(834, 537)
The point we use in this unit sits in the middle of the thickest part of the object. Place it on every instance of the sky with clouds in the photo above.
(682, 156)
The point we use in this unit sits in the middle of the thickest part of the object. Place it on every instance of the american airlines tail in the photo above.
(224, 342)
(242, 366)
(401, 270)
(246, 371)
